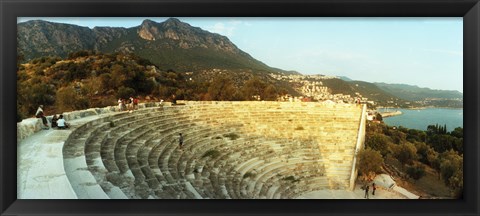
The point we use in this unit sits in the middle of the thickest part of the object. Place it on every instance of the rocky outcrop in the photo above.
(105, 35)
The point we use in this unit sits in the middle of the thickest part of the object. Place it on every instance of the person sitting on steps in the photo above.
(61, 123)
(54, 121)
(40, 114)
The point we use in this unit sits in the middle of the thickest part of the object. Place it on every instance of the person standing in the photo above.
(124, 105)
(40, 114)
(174, 99)
(373, 188)
(366, 191)
(120, 104)
(135, 103)
(130, 103)
(180, 140)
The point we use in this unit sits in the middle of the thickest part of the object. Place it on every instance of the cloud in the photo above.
(228, 29)
(222, 29)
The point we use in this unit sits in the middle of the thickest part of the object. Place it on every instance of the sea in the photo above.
(421, 118)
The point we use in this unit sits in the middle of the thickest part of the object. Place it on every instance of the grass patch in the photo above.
(211, 153)
(248, 175)
(112, 124)
(232, 136)
(299, 128)
(218, 137)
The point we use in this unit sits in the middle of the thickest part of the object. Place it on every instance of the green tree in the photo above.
(457, 132)
(441, 142)
(117, 76)
(125, 92)
(253, 87)
(406, 153)
(221, 89)
(67, 99)
(270, 93)
(34, 93)
(451, 165)
(456, 182)
(106, 79)
(397, 136)
(416, 135)
(369, 161)
(377, 142)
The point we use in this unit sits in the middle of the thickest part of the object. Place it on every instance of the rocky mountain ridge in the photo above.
(162, 43)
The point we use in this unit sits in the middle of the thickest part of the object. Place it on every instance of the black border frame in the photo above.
(11, 9)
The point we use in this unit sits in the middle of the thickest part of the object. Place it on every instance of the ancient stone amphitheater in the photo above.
(237, 150)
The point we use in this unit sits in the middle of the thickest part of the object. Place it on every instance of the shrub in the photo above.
(232, 136)
(369, 160)
(249, 175)
(291, 179)
(211, 153)
(299, 128)
(92, 86)
(416, 172)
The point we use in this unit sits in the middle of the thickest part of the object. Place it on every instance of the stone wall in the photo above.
(334, 129)
(360, 144)
(29, 126)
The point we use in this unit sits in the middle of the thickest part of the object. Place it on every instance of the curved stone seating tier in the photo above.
(257, 150)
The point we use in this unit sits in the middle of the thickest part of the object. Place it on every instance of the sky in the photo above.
(427, 52)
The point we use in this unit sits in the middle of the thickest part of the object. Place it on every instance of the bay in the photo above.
(421, 118)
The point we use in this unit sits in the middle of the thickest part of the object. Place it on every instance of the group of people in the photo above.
(130, 104)
(57, 121)
(367, 188)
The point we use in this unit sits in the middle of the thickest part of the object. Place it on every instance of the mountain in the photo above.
(415, 93)
(40, 38)
(171, 45)
(344, 78)
(180, 50)
(365, 89)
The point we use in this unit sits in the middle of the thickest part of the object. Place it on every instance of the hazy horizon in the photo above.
(424, 52)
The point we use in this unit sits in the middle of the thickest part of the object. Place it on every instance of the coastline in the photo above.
(390, 114)
(397, 112)
(420, 119)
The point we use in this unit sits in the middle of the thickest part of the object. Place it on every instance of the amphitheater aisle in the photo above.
(40, 170)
